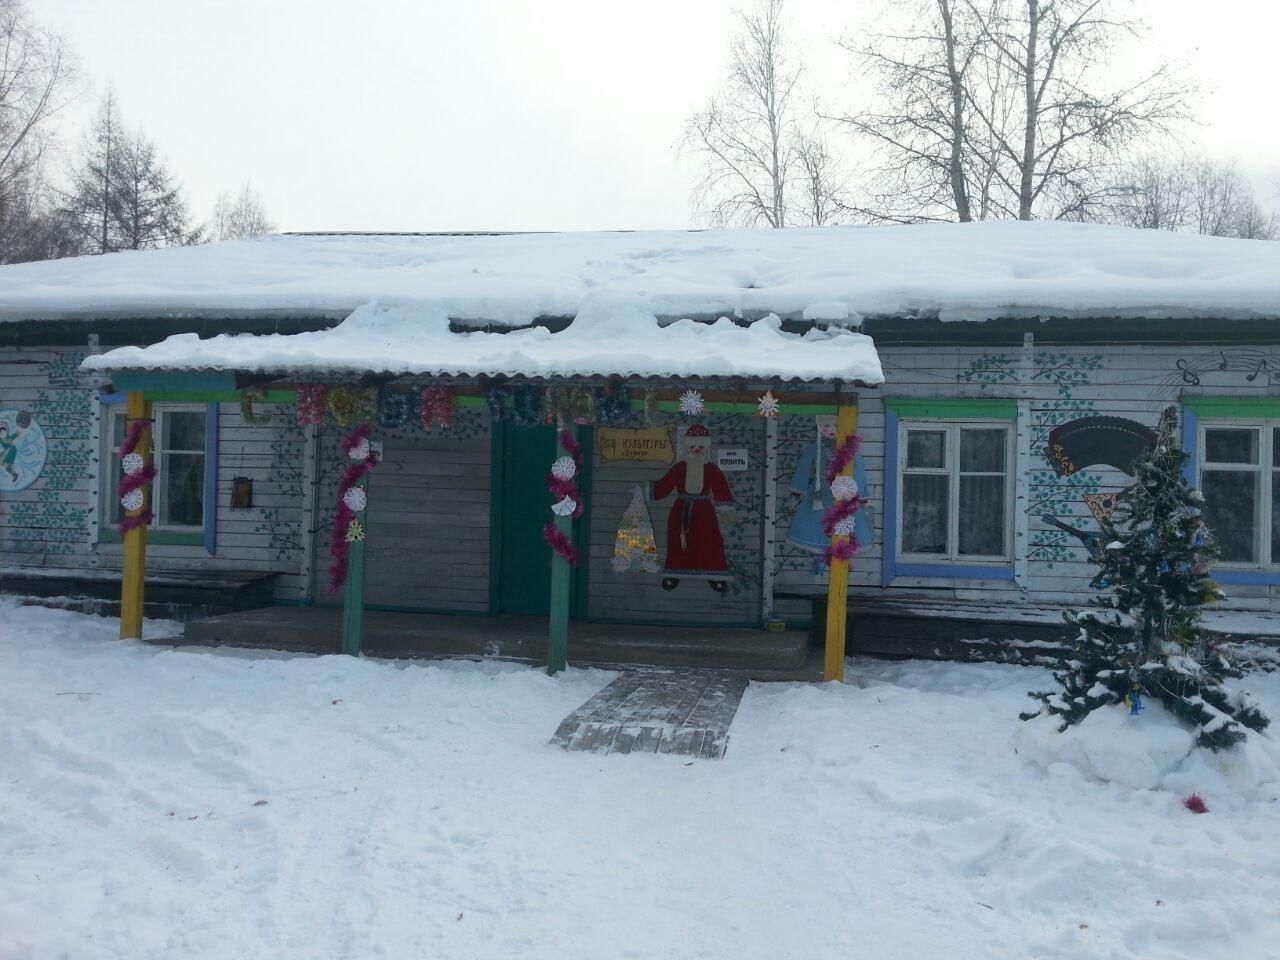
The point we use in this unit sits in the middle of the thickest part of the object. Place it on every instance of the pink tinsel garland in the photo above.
(842, 458)
(560, 489)
(560, 543)
(840, 510)
(437, 406)
(135, 481)
(841, 550)
(311, 402)
(845, 546)
(339, 548)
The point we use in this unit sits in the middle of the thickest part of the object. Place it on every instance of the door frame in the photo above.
(580, 580)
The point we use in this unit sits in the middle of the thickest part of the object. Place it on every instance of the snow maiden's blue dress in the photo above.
(815, 497)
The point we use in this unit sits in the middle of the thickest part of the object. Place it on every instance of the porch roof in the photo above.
(610, 336)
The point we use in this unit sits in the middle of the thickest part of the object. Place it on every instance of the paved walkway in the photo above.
(686, 712)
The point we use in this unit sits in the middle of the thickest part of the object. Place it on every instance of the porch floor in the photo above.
(757, 654)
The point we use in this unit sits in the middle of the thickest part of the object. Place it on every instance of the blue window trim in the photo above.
(210, 467)
(890, 566)
(1191, 444)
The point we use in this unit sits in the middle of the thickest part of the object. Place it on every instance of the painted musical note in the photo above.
(1262, 365)
(1189, 376)
(1223, 365)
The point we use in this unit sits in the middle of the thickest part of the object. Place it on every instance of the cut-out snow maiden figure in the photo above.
(815, 496)
(23, 450)
(695, 547)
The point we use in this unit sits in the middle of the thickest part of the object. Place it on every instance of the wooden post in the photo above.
(353, 595)
(838, 586)
(561, 580)
(770, 518)
(137, 408)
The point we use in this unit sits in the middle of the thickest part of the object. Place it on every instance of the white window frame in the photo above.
(1265, 467)
(951, 457)
(112, 458)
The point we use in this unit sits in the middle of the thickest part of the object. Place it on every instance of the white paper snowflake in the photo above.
(844, 528)
(844, 488)
(564, 469)
(133, 500)
(769, 406)
(355, 499)
(355, 531)
(565, 507)
(133, 463)
(360, 452)
(691, 403)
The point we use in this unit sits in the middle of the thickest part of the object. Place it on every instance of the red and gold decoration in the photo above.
(311, 404)
(437, 406)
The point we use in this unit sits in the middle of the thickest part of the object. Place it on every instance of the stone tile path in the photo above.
(686, 712)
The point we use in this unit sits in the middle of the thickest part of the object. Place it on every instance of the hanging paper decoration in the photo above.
(838, 519)
(138, 474)
(769, 406)
(395, 408)
(635, 544)
(526, 407)
(347, 529)
(247, 416)
(584, 406)
(650, 406)
(691, 403)
(437, 406)
(567, 501)
(497, 398)
(351, 404)
(311, 403)
(612, 408)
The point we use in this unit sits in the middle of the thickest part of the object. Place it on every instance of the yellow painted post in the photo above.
(838, 586)
(137, 407)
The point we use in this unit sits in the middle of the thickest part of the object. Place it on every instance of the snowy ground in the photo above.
(205, 804)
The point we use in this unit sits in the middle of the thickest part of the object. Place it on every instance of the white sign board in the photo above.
(730, 459)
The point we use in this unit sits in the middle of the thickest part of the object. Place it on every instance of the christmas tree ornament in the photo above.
(564, 507)
(768, 405)
(564, 468)
(133, 463)
(691, 403)
(634, 545)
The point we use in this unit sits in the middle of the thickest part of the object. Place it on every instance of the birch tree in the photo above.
(241, 216)
(746, 134)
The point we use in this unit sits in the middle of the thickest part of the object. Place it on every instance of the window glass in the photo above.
(183, 430)
(1275, 512)
(183, 476)
(982, 451)
(1231, 511)
(982, 514)
(178, 491)
(1231, 445)
(924, 513)
(926, 449)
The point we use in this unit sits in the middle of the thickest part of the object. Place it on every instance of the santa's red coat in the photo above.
(694, 544)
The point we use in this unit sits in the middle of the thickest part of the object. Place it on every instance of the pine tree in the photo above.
(1143, 637)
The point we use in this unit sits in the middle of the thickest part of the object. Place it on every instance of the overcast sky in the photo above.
(515, 114)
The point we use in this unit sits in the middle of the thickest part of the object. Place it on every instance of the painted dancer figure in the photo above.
(695, 547)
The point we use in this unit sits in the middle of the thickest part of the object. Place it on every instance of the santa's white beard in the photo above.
(694, 463)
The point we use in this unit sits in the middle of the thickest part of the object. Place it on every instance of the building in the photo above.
(1003, 376)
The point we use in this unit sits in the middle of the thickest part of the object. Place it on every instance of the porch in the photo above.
(757, 654)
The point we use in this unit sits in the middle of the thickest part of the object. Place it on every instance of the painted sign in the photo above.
(23, 450)
(651, 445)
(730, 459)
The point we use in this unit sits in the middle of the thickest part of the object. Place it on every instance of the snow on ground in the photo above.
(416, 810)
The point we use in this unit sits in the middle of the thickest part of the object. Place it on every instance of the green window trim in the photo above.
(1266, 408)
(952, 408)
(166, 538)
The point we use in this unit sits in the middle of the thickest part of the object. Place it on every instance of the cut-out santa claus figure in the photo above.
(695, 547)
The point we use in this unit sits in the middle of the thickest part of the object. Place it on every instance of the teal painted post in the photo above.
(353, 598)
(561, 580)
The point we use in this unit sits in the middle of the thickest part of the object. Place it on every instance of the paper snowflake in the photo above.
(356, 499)
(691, 403)
(133, 463)
(355, 531)
(844, 527)
(844, 488)
(565, 507)
(564, 469)
(769, 406)
(133, 500)
(360, 452)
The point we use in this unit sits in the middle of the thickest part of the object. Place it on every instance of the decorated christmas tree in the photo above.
(1143, 638)
(634, 548)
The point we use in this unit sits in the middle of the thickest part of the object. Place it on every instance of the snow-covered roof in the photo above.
(611, 336)
(953, 271)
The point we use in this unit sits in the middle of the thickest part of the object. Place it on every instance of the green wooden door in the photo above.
(525, 572)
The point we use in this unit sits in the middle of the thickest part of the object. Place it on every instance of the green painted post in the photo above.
(353, 598)
(558, 621)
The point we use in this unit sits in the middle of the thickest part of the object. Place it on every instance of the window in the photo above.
(1238, 478)
(178, 450)
(955, 491)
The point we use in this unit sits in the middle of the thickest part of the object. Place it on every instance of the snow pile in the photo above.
(972, 271)
(212, 804)
(609, 336)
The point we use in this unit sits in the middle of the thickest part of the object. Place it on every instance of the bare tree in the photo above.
(820, 180)
(746, 135)
(1196, 194)
(241, 216)
(1154, 193)
(35, 73)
